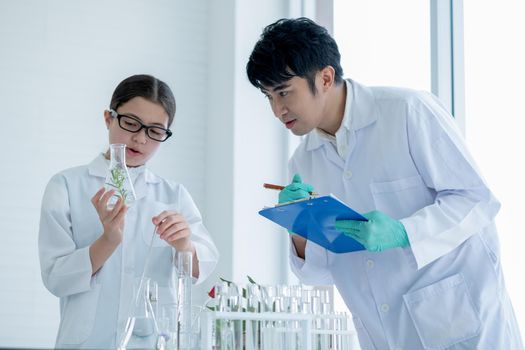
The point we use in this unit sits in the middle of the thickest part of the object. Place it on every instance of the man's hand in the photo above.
(296, 190)
(379, 233)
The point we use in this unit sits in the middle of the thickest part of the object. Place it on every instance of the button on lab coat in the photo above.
(94, 309)
(406, 158)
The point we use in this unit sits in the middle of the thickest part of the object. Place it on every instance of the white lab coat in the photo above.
(94, 309)
(407, 159)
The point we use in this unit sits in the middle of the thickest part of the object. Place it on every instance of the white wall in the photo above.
(59, 63)
(260, 156)
(246, 147)
(220, 143)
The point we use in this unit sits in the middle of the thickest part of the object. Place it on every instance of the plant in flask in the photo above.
(118, 178)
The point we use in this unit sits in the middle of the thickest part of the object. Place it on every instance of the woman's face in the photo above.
(139, 147)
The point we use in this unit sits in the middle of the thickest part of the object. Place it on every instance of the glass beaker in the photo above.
(169, 326)
(118, 178)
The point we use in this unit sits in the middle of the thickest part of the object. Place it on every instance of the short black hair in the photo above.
(293, 47)
(148, 87)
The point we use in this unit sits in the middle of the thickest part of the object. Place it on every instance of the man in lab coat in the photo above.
(430, 277)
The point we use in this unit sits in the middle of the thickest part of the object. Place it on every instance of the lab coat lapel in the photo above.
(142, 181)
(332, 155)
(316, 143)
(98, 166)
(141, 188)
(352, 142)
(362, 110)
(145, 178)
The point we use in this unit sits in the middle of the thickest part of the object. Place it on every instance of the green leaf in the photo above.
(117, 181)
(251, 280)
(225, 280)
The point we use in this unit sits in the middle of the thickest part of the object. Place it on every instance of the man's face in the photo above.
(295, 105)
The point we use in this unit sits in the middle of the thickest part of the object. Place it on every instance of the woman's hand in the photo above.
(174, 229)
(111, 219)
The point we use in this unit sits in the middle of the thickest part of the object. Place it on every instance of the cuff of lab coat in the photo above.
(295, 260)
(86, 278)
(73, 276)
(207, 261)
(427, 248)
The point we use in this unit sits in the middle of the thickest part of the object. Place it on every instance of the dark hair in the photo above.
(148, 87)
(293, 47)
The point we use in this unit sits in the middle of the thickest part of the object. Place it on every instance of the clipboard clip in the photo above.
(296, 201)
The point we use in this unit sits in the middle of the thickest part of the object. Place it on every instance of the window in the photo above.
(384, 42)
(495, 122)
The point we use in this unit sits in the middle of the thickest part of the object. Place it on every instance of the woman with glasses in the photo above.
(92, 256)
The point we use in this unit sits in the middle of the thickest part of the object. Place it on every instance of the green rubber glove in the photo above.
(296, 190)
(379, 233)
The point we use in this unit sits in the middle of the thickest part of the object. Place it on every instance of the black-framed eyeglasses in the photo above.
(134, 125)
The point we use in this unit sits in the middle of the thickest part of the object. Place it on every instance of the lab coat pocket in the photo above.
(443, 313)
(402, 197)
(78, 317)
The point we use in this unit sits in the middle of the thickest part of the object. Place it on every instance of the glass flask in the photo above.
(141, 327)
(118, 178)
(144, 311)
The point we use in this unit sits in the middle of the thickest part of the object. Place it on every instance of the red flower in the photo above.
(211, 293)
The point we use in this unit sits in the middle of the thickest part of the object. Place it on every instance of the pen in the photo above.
(279, 188)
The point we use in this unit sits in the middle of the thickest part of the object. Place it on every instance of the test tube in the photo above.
(253, 304)
(224, 331)
(183, 264)
(293, 328)
(234, 302)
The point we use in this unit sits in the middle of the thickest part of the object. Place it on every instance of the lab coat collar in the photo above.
(360, 111)
(99, 167)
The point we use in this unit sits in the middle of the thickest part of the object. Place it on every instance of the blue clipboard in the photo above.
(314, 219)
